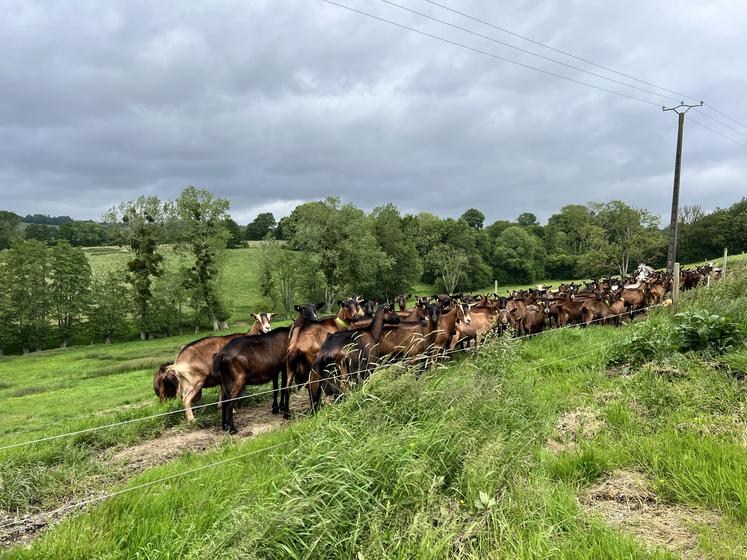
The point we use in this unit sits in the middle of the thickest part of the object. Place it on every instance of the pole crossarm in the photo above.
(682, 108)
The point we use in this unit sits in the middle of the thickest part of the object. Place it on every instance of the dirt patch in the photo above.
(620, 370)
(123, 408)
(572, 427)
(668, 372)
(17, 531)
(626, 501)
(173, 442)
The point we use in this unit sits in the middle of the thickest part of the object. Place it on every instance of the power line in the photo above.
(730, 139)
(490, 54)
(591, 62)
(714, 119)
(526, 51)
(727, 116)
(566, 53)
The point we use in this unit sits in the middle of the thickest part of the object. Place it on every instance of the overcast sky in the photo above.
(270, 103)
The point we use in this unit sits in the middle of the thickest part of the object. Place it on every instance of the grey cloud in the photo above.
(272, 103)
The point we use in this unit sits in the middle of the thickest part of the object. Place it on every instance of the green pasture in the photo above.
(451, 463)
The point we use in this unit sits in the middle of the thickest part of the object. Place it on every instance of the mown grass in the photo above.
(394, 471)
(238, 279)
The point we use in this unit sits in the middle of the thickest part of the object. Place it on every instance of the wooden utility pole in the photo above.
(681, 109)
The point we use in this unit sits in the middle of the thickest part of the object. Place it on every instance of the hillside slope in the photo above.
(567, 445)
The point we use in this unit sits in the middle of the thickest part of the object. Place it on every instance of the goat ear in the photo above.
(297, 308)
(254, 316)
(319, 305)
(409, 296)
(271, 315)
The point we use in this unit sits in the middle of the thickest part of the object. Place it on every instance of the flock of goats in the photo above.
(327, 353)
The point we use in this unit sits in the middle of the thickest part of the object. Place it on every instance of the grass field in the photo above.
(531, 449)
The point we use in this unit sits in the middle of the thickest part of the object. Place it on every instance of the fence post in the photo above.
(495, 287)
(723, 271)
(675, 286)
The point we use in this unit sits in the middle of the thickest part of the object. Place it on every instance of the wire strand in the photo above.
(730, 139)
(706, 115)
(590, 62)
(490, 54)
(560, 51)
(102, 497)
(526, 51)
(712, 108)
(408, 360)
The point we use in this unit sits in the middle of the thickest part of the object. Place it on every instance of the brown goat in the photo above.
(165, 383)
(249, 360)
(533, 321)
(411, 338)
(307, 337)
(346, 354)
(262, 323)
(482, 321)
(192, 370)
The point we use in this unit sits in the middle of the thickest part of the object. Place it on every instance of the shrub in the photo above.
(653, 339)
(704, 331)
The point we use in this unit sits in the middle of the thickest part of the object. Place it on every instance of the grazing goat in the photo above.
(192, 370)
(249, 360)
(165, 383)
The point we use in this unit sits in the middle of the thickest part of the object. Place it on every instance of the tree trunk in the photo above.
(108, 339)
(1, 353)
(214, 321)
(224, 325)
(151, 336)
(25, 350)
(197, 328)
(64, 343)
(143, 335)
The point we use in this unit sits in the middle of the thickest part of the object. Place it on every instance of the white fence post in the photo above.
(726, 254)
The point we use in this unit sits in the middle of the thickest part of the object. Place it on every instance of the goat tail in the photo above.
(220, 372)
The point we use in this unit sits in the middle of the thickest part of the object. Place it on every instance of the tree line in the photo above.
(49, 294)
(333, 248)
(319, 252)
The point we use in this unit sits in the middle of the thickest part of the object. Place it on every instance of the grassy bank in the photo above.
(567, 445)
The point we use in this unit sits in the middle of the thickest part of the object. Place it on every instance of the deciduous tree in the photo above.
(201, 230)
(141, 224)
(69, 287)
